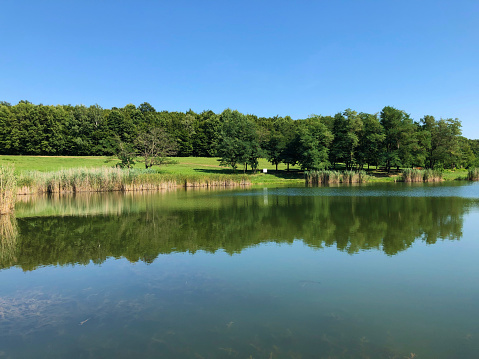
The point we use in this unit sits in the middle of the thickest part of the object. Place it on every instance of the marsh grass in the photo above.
(316, 178)
(108, 179)
(8, 185)
(432, 175)
(473, 174)
(412, 175)
(416, 175)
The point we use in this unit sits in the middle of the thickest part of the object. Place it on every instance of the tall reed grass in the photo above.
(416, 175)
(473, 174)
(109, 179)
(8, 187)
(315, 178)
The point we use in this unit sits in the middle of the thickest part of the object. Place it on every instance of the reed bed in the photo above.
(108, 179)
(432, 175)
(316, 178)
(8, 185)
(416, 175)
(473, 174)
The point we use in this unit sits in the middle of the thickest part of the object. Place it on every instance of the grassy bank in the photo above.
(8, 187)
(201, 170)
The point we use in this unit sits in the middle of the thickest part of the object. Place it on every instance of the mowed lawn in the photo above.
(184, 165)
(54, 163)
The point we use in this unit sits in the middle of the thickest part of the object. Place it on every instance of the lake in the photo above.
(372, 271)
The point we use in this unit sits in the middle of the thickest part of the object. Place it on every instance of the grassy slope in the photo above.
(185, 165)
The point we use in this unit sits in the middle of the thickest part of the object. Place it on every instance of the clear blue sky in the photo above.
(262, 57)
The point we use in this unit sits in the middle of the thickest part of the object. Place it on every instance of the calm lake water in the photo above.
(377, 271)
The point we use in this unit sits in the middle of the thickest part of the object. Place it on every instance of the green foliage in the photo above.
(401, 141)
(238, 141)
(371, 139)
(347, 127)
(205, 141)
(279, 136)
(349, 138)
(313, 139)
(126, 153)
(443, 143)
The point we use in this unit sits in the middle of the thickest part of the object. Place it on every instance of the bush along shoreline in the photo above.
(108, 179)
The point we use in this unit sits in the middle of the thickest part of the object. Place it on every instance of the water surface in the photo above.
(380, 271)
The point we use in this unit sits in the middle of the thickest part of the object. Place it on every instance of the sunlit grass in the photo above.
(197, 168)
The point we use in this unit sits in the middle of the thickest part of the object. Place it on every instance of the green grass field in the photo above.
(188, 166)
(185, 165)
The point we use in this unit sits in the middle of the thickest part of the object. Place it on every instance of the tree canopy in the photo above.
(390, 138)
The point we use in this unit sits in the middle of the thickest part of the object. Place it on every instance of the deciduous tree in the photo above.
(155, 147)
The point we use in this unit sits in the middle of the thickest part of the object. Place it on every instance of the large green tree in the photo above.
(313, 139)
(443, 146)
(280, 135)
(371, 140)
(401, 142)
(346, 131)
(238, 140)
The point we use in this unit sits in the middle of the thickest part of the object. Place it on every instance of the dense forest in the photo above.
(391, 138)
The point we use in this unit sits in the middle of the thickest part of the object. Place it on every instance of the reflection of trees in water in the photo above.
(390, 224)
(8, 240)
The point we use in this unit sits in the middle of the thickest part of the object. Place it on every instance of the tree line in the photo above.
(390, 138)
